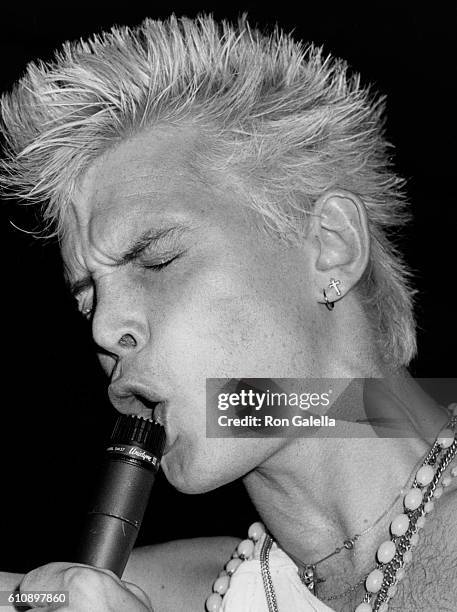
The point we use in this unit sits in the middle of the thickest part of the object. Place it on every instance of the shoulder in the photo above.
(431, 579)
(179, 573)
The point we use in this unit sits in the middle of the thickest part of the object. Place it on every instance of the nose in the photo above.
(119, 324)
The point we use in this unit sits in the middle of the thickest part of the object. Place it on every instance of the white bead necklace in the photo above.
(392, 555)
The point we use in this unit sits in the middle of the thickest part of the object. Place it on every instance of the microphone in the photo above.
(130, 467)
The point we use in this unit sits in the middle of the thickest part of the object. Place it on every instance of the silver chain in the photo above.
(403, 543)
(266, 574)
(348, 544)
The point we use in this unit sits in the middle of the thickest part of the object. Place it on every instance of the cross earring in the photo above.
(334, 284)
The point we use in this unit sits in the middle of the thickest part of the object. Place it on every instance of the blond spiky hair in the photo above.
(290, 121)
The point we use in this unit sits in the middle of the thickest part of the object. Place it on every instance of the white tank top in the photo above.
(246, 592)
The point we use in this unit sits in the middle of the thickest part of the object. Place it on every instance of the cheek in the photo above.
(216, 336)
(203, 316)
(223, 325)
(207, 333)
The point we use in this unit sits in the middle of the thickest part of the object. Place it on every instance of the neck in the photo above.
(316, 492)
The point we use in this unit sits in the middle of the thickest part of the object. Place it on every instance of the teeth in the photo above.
(142, 417)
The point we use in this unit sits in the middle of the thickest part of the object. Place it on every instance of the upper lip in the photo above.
(132, 397)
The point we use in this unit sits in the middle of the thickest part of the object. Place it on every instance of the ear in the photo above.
(342, 243)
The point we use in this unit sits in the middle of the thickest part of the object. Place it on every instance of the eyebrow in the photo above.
(151, 237)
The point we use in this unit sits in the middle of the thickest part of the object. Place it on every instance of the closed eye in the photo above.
(159, 266)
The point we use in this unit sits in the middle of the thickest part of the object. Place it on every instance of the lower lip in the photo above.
(161, 418)
(169, 444)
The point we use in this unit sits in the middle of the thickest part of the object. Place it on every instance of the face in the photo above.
(184, 284)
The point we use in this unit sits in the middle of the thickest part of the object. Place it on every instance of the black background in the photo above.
(54, 410)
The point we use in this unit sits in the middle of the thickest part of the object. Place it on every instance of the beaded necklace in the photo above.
(392, 555)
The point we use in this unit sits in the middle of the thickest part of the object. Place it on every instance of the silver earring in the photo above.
(334, 285)
(330, 305)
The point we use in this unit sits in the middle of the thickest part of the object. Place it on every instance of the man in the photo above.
(223, 203)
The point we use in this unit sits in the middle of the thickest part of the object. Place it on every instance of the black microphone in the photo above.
(113, 522)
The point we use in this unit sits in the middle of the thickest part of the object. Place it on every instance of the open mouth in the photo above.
(140, 400)
(157, 411)
(135, 399)
(150, 406)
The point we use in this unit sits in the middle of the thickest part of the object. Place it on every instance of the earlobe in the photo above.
(343, 244)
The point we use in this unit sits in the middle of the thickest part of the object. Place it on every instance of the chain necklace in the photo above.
(308, 574)
(392, 555)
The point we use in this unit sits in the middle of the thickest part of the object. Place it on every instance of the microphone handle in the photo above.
(113, 523)
(129, 470)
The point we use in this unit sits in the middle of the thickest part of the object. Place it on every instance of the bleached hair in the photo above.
(289, 120)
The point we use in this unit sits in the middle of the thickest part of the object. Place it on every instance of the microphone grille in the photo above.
(139, 431)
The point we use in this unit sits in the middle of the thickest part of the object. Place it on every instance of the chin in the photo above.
(187, 480)
(188, 475)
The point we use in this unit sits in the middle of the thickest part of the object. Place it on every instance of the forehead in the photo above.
(152, 177)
